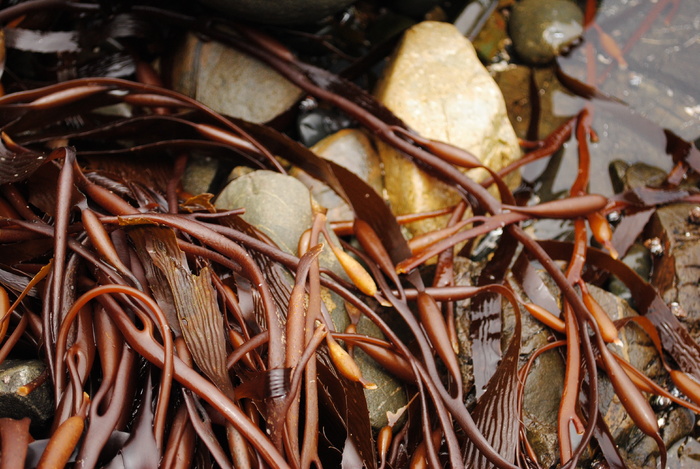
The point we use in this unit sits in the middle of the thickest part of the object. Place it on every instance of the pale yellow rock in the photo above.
(352, 149)
(231, 82)
(437, 85)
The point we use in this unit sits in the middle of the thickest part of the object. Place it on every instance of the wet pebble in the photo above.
(675, 271)
(639, 259)
(317, 123)
(37, 405)
(541, 29)
(685, 453)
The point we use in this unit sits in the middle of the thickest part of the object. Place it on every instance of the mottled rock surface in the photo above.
(541, 29)
(200, 173)
(277, 205)
(230, 81)
(676, 271)
(436, 84)
(37, 405)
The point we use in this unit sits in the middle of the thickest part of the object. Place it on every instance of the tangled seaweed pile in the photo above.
(170, 336)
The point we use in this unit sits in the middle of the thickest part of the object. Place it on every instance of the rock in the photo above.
(541, 399)
(37, 405)
(685, 453)
(544, 382)
(280, 207)
(556, 103)
(231, 82)
(277, 205)
(642, 175)
(541, 29)
(677, 424)
(638, 258)
(390, 394)
(436, 84)
(492, 38)
(638, 350)
(352, 149)
(278, 11)
(675, 272)
(199, 175)
(319, 122)
(625, 176)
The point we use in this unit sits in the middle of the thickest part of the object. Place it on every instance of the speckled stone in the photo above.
(231, 82)
(437, 85)
(37, 405)
(540, 29)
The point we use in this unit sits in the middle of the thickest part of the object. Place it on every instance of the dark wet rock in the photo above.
(642, 174)
(544, 384)
(545, 380)
(675, 425)
(278, 11)
(541, 29)
(639, 449)
(676, 268)
(37, 405)
(617, 170)
(515, 83)
(678, 423)
(200, 173)
(639, 259)
(684, 454)
(390, 394)
(352, 149)
(465, 273)
(317, 123)
(636, 347)
(543, 391)
(230, 81)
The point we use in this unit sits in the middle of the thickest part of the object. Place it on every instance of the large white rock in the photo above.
(437, 85)
(231, 82)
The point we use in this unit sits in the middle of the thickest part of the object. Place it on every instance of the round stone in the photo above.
(541, 29)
